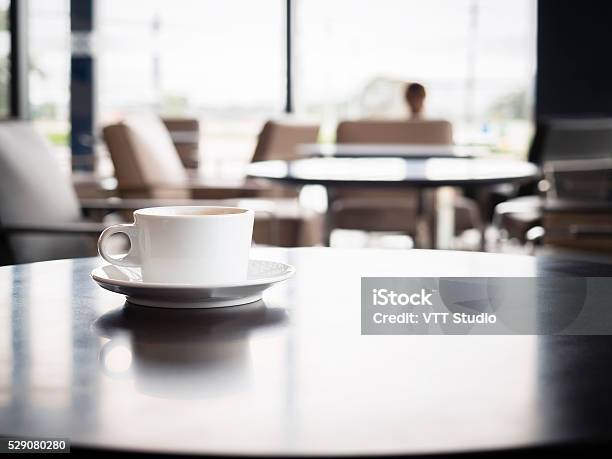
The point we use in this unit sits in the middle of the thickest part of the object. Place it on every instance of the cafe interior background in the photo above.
(297, 110)
(210, 76)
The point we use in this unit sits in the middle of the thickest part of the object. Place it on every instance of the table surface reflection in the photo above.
(391, 150)
(395, 172)
(291, 374)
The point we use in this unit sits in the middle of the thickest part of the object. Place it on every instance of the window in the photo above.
(219, 61)
(49, 70)
(476, 58)
(225, 64)
(5, 47)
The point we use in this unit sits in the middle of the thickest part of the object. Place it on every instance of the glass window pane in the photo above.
(49, 71)
(5, 47)
(476, 59)
(219, 61)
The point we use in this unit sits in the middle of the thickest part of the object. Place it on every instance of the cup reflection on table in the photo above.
(183, 353)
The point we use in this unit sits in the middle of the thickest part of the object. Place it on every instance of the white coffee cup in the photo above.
(198, 245)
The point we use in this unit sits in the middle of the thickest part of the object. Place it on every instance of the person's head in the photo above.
(415, 98)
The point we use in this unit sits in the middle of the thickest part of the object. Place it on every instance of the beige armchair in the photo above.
(392, 210)
(280, 140)
(427, 132)
(146, 162)
(185, 135)
(147, 165)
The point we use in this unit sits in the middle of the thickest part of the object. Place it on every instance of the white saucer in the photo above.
(128, 281)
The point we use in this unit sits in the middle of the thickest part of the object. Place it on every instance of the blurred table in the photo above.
(92, 185)
(391, 150)
(291, 375)
(416, 173)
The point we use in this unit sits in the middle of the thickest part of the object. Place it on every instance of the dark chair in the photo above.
(578, 225)
(578, 210)
(555, 143)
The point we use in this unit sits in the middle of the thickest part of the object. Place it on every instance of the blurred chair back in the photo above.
(146, 162)
(400, 131)
(279, 140)
(588, 180)
(371, 209)
(576, 156)
(185, 135)
(578, 225)
(435, 132)
(573, 139)
(34, 190)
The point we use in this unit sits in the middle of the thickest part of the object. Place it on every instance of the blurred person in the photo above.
(415, 99)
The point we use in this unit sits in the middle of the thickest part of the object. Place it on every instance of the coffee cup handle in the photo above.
(132, 259)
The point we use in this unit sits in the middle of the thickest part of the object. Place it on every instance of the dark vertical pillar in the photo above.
(289, 56)
(574, 70)
(82, 88)
(18, 59)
